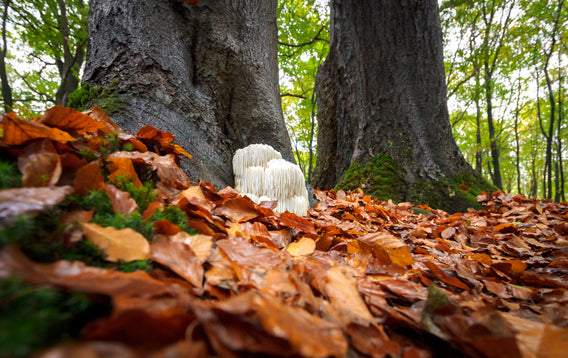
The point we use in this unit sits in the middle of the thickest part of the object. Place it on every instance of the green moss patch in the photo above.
(381, 178)
(87, 96)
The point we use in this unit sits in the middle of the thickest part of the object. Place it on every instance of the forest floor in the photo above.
(108, 249)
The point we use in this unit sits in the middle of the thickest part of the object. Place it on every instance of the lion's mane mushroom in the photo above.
(262, 175)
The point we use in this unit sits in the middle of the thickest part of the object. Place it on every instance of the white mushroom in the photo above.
(262, 175)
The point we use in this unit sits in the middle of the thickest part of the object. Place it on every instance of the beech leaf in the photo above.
(69, 119)
(18, 131)
(118, 245)
(303, 247)
(29, 201)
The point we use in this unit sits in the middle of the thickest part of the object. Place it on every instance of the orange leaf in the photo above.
(200, 244)
(122, 167)
(155, 135)
(122, 202)
(303, 247)
(238, 209)
(179, 257)
(165, 227)
(178, 149)
(344, 296)
(151, 209)
(441, 275)
(391, 246)
(18, 131)
(118, 245)
(69, 119)
(100, 116)
(88, 177)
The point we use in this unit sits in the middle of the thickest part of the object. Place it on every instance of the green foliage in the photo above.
(32, 318)
(10, 176)
(87, 96)
(143, 195)
(303, 44)
(50, 39)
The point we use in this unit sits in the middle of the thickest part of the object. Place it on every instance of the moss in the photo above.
(10, 176)
(379, 178)
(87, 96)
(32, 317)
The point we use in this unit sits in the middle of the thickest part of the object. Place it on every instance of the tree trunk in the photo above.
(6, 88)
(208, 73)
(382, 105)
(491, 127)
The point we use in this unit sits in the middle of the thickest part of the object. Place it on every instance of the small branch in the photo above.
(316, 38)
(293, 95)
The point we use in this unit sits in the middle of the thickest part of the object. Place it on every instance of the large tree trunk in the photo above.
(382, 105)
(208, 73)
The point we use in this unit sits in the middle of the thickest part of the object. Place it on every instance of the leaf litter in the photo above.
(355, 277)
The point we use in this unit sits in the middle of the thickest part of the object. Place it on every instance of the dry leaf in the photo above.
(29, 201)
(124, 169)
(89, 177)
(303, 247)
(18, 131)
(201, 245)
(40, 164)
(118, 245)
(70, 120)
(179, 257)
(344, 296)
(122, 202)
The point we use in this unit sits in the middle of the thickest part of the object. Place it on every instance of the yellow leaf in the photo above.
(303, 247)
(118, 245)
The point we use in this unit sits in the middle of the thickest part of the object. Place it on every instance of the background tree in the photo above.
(208, 73)
(303, 44)
(383, 119)
(55, 34)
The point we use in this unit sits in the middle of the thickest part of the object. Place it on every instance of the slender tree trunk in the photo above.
(478, 145)
(552, 118)
(382, 91)
(517, 141)
(491, 127)
(6, 88)
(312, 133)
(208, 73)
(71, 63)
(560, 177)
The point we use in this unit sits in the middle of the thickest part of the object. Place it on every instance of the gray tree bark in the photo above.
(382, 91)
(208, 73)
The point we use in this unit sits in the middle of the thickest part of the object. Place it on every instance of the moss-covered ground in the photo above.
(381, 178)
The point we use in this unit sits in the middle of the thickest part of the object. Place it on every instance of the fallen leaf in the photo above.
(201, 245)
(122, 168)
(239, 209)
(70, 120)
(118, 245)
(122, 202)
(18, 131)
(303, 247)
(252, 323)
(179, 257)
(344, 296)
(77, 276)
(89, 177)
(40, 164)
(29, 201)
(165, 227)
(390, 245)
(100, 116)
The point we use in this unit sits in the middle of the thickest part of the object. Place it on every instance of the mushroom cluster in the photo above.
(262, 175)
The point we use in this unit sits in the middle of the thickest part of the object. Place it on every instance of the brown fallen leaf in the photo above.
(89, 177)
(29, 201)
(122, 202)
(77, 276)
(70, 120)
(18, 131)
(345, 298)
(179, 257)
(201, 245)
(239, 209)
(391, 246)
(40, 164)
(118, 245)
(303, 247)
(122, 168)
(255, 324)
